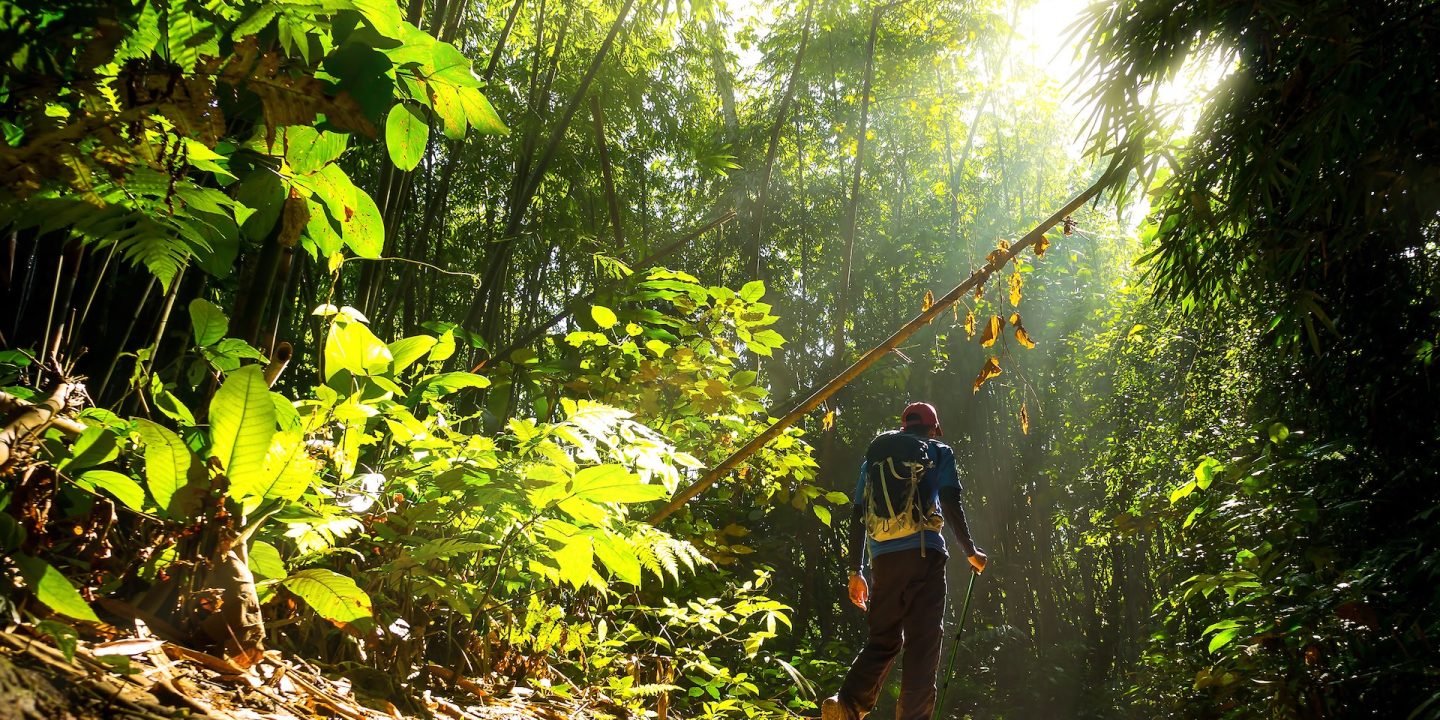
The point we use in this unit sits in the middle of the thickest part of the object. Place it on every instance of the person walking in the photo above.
(909, 489)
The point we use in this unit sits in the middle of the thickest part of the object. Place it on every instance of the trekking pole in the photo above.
(955, 646)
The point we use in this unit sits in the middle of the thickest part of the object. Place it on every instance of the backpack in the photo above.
(896, 462)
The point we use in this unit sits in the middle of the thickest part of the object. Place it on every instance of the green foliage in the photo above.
(262, 103)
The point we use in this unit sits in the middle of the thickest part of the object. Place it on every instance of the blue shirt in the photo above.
(942, 475)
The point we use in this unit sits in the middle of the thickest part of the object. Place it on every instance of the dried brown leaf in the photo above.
(990, 370)
(992, 331)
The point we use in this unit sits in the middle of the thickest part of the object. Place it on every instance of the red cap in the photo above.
(919, 414)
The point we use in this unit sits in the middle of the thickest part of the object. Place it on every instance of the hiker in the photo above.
(908, 490)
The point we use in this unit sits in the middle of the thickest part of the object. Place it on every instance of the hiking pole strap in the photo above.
(955, 646)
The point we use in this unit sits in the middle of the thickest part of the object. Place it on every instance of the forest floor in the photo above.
(149, 679)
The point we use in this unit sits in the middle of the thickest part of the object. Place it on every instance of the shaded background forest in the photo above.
(1207, 491)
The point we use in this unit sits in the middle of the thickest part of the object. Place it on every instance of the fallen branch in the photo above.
(33, 419)
(976, 279)
(9, 403)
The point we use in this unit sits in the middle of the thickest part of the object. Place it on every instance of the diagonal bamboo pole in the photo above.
(977, 278)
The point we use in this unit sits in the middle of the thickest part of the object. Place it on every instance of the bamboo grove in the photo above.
(374, 331)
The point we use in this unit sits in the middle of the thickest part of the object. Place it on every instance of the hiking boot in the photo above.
(837, 708)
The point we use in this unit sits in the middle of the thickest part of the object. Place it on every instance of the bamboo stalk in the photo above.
(977, 278)
(597, 113)
(33, 419)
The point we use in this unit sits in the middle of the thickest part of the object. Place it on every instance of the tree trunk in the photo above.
(772, 146)
(598, 114)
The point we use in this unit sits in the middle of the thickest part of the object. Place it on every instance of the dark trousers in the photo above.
(907, 605)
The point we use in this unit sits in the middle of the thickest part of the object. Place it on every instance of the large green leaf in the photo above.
(94, 446)
(287, 473)
(613, 483)
(333, 596)
(307, 149)
(452, 67)
(575, 556)
(167, 461)
(364, 228)
(121, 486)
(480, 113)
(242, 421)
(264, 192)
(406, 133)
(447, 104)
(208, 321)
(603, 316)
(406, 351)
(265, 561)
(351, 346)
(51, 588)
(617, 555)
(442, 384)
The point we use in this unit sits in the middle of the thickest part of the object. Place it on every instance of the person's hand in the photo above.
(859, 591)
(978, 560)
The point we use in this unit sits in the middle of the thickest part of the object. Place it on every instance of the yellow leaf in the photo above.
(1020, 335)
(1015, 282)
(928, 302)
(1003, 245)
(1041, 246)
(969, 325)
(1024, 419)
(992, 331)
(990, 370)
(828, 423)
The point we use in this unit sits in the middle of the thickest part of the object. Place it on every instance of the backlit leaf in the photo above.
(1021, 335)
(1024, 419)
(121, 486)
(167, 461)
(208, 321)
(990, 370)
(53, 589)
(575, 557)
(992, 331)
(969, 326)
(1041, 246)
(603, 316)
(242, 421)
(1015, 283)
(928, 301)
(331, 595)
(406, 133)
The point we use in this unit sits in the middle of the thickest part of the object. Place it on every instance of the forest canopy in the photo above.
(398, 343)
